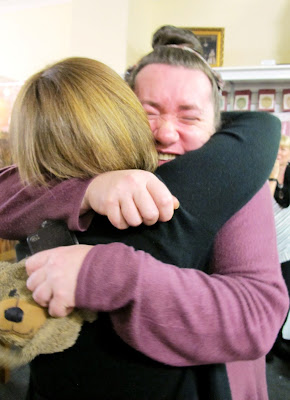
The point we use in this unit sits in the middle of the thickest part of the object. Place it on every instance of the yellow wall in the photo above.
(118, 32)
(32, 38)
(255, 30)
(99, 30)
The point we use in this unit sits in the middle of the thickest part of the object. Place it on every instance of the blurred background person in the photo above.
(280, 186)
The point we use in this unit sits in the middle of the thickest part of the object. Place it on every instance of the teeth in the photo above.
(165, 157)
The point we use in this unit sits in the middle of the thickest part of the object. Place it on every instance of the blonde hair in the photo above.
(78, 118)
(285, 141)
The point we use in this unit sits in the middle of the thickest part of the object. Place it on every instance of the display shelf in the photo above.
(273, 73)
(255, 79)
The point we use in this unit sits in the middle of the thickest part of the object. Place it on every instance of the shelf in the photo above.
(273, 73)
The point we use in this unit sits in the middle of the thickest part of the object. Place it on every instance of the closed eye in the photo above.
(188, 120)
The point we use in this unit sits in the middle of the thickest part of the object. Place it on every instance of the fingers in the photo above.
(36, 261)
(58, 309)
(42, 294)
(165, 202)
(176, 203)
(116, 217)
(130, 212)
(130, 198)
(38, 283)
(145, 206)
(36, 278)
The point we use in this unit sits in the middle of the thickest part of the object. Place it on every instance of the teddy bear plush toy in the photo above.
(26, 329)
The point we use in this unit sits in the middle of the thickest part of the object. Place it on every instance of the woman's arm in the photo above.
(182, 316)
(238, 160)
(232, 166)
(24, 208)
(126, 197)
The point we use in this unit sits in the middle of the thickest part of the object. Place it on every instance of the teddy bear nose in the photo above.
(14, 314)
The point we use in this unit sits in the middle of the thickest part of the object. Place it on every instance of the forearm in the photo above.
(245, 136)
(185, 317)
(23, 208)
(272, 186)
(235, 163)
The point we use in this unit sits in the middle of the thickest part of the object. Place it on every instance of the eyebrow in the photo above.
(189, 107)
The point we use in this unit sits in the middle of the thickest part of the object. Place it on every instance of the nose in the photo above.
(14, 314)
(165, 132)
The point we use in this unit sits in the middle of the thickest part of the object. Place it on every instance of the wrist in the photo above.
(85, 204)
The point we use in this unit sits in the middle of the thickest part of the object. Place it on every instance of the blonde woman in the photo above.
(78, 118)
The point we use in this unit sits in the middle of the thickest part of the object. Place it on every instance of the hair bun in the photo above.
(169, 34)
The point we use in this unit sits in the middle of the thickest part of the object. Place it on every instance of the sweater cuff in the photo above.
(75, 221)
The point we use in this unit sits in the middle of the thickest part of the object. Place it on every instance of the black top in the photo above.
(282, 193)
(210, 187)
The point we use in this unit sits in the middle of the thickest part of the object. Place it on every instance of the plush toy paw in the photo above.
(26, 329)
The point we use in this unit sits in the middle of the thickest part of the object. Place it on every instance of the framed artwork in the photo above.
(224, 100)
(266, 100)
(212, 41)
(286, 100)
(242, 100)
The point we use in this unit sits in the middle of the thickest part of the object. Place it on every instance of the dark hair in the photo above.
(169, 34)
(178, 47)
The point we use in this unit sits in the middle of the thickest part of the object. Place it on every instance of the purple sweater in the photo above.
(156, 307)
(243, 303)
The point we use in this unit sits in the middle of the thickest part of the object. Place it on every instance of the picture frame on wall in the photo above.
(212, 41)
(224, 101)
(286, 100)
(266, 100)
(242, 100)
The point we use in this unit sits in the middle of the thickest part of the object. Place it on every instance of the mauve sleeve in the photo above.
(185, 317)
(22, 208)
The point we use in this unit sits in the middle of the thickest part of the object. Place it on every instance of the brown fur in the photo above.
(36, 332)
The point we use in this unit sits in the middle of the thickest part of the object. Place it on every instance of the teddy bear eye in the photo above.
(12, 293)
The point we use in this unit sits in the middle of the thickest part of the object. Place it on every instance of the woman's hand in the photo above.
(130, 198)
(53, 277)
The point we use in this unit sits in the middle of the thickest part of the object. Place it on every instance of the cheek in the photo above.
(193, 139)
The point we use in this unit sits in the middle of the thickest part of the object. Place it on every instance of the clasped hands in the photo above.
(128, 198)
